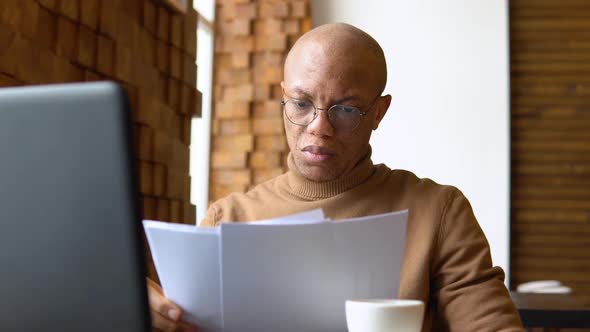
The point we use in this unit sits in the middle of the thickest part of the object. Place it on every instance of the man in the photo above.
(333, 80)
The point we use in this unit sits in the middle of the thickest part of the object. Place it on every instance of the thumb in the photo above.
(159, 303)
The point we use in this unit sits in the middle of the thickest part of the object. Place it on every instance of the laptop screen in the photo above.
(70, 252)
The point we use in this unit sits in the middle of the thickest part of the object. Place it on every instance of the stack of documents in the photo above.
(288, 274)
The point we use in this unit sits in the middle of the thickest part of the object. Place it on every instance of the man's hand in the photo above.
(165, 314)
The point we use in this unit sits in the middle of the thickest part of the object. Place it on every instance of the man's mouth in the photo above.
(315, 153)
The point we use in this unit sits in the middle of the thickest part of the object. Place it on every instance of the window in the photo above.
(201, 127)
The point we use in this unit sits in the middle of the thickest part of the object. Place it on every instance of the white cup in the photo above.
(375, 315)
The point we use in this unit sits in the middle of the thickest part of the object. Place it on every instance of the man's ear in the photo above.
(380, 110)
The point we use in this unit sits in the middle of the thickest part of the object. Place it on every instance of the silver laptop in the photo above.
(70, 252)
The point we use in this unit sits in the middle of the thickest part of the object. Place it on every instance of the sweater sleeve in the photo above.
(468, 291)
(210, 219)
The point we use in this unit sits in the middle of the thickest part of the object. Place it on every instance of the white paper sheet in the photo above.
(297, 277)
(188, 264)
(307, 217)
(187, 260)
(285, 274)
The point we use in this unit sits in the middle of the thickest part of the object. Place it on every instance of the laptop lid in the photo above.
(70, 253)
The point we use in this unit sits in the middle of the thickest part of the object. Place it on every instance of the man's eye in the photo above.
(302, 104)
(345, 111)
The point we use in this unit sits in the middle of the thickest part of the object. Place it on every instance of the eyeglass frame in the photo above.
(284, 102)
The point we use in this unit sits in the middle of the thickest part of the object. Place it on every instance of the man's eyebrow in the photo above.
(300, 92)
(345, 99)
(307, 95)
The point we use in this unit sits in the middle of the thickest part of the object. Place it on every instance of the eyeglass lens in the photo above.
(301, 112)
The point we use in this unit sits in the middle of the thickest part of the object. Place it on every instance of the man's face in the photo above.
(320, 151)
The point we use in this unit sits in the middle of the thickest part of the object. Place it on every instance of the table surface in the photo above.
(551, 310)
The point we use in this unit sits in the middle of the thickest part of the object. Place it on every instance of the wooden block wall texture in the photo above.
(550, 86)
(252, 40)
(140, 44)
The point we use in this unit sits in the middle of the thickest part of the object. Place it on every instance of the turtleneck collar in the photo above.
(312, 190)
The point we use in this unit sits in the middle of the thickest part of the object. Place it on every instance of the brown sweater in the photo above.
(447, 261)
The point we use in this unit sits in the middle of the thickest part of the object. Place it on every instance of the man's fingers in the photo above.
(161, 323)
(159, 303)
(153, 286)
(165, 314)
(164, 307)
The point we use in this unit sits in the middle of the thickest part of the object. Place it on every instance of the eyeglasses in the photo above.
(343, 118)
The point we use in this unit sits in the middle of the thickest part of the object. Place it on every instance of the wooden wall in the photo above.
(550, 73)
(140, 44)
(248, 145)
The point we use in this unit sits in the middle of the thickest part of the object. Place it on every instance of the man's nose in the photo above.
(321, 125)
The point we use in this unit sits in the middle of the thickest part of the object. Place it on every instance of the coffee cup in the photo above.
(382, 315)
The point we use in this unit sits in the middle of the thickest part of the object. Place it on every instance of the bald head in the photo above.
(341, 47)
